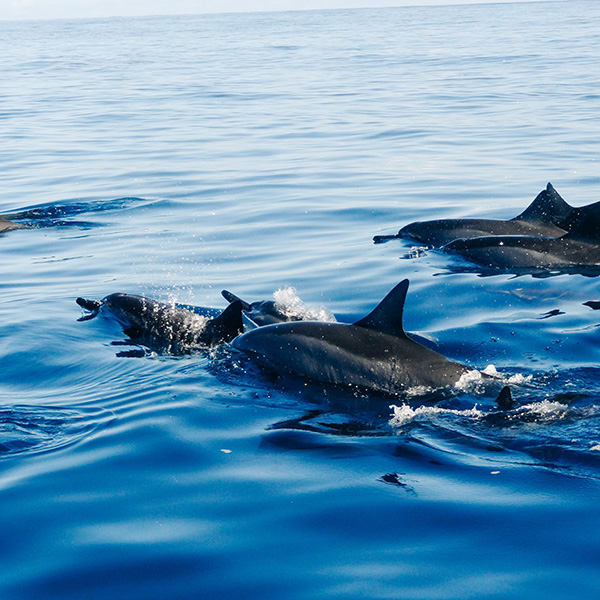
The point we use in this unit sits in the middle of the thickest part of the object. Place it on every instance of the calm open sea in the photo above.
(178, 156)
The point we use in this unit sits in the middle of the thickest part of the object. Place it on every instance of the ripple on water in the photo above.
(27, 429)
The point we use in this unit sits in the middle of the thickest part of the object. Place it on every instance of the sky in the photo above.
(61, 9)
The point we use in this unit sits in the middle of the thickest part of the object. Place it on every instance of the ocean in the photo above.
(175, 157)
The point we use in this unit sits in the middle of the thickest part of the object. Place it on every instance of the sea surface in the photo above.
(178, 156)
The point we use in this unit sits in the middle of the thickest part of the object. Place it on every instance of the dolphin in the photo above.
(548, 216)
(374, 354)
(7, 225)
(576, 251)
(263, 312)
(167, 325)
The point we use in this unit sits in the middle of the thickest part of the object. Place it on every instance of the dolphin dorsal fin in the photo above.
(505, 400)
(386, 317)
(226, 326)
(547, 207)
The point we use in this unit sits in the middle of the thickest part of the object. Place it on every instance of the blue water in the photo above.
(178, 156)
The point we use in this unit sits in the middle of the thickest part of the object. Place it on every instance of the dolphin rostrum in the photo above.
(373, 354)
(167, 325)
(548, 216)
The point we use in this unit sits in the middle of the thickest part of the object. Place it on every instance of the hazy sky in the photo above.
(58, 9)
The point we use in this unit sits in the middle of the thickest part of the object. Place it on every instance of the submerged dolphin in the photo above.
(7, 225)
(373, 354)
(167, 325)
(548, 216)
(263, 312)
(575, 251)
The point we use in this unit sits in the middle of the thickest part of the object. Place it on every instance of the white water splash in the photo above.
(404, 414)
(472, 379)
(288, 302)
(416, 252)
(546, 409)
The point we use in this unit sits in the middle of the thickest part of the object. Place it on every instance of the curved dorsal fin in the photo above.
(547, 207)
(386, 317)
(225, 327)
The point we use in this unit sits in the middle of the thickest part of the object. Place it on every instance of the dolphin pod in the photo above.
(549, 235)
(548, 215)
(373, 354)
(578, 250)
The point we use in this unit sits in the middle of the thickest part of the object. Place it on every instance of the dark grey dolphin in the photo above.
(373, 354)
(263, 312)
(575, 251)
(168, 325)
(548, 215)
(7, 225)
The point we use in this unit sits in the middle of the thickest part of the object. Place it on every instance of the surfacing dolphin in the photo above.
(7, 225)
(548, 216)
(263, 312)
(168, 326)
(286, 307)
(577, 251)
(373, 354)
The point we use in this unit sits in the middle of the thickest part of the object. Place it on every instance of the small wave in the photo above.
(34, 429)
(536, 412)
(61, 215)
(288, 302)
